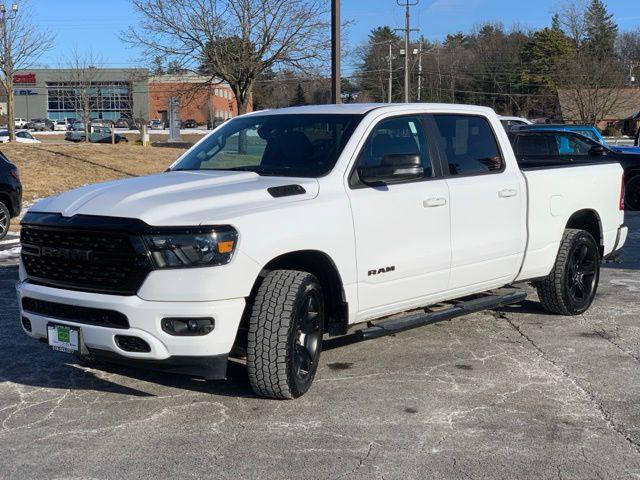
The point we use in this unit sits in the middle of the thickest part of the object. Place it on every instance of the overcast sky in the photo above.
(96, 24)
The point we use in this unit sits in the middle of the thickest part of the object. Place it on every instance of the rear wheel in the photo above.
(571, 286)
(5, 220)
(285, 334)
(632, 193)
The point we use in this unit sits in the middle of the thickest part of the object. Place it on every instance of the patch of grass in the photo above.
(50, 169)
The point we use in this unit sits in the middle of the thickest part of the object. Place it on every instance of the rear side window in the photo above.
(396, 136)
(467, 144)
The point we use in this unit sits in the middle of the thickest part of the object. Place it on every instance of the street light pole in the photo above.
(390, 72)
(407, 30)
(335, 52)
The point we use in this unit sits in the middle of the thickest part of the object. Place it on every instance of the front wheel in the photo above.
(5, 220)
(632, 193)
(285, 334)
(571, 286)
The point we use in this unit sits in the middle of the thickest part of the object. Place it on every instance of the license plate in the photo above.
(63, 338)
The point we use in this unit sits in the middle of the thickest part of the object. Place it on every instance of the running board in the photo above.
(389, 327)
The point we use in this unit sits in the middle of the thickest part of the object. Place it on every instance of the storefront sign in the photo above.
(24, 92)
(24, 78)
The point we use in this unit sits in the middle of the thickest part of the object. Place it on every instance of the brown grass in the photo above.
(49, 169)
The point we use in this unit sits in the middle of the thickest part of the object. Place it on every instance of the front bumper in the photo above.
(144, 317)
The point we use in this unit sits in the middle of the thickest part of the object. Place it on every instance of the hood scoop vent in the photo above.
(286, 191)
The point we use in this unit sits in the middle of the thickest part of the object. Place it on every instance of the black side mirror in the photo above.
(597, 151)
(393, 168)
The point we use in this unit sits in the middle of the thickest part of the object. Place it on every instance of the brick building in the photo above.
(199, 99)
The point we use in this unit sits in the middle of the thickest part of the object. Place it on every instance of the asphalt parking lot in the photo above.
(514, 393)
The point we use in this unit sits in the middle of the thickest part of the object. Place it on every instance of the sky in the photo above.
(96, 24)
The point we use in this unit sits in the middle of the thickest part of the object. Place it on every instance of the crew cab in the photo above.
(282, 226)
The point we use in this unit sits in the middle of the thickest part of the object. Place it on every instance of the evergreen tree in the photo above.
(299, 97)
(601, 30)
(374, 65)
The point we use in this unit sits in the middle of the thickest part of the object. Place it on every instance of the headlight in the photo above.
(194, 248)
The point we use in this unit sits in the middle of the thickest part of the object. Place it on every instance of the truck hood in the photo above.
(177, 198)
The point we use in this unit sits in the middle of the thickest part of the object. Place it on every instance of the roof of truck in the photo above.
(363, 108)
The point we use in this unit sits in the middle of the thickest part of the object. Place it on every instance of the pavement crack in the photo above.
(360, 462)
(595, 401)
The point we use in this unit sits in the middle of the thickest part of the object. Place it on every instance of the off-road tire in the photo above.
(273, 329)
(553, 291)
(5, 220)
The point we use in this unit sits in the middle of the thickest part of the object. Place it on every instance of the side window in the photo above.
(467, 144)
(22, 135)
(396, 136)
(536, 145)
(572, 145)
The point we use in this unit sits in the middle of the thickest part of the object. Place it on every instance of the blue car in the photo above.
(588, 131)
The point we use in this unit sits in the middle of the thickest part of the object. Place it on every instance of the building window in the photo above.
(109, 100)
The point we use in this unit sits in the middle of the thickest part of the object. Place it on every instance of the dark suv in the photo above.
(10, 194)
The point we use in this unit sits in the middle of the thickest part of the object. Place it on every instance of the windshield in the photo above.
(295, 145)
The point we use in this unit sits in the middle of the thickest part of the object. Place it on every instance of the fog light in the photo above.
(26, 323)
(188, 326)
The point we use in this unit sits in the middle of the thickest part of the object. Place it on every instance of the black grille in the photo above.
(94, 261)
(132, 344)
(73, 313)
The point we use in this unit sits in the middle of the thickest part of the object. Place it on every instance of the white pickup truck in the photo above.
(282, 226)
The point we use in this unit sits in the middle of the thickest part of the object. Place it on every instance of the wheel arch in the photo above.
(325, 270)
(588, 220)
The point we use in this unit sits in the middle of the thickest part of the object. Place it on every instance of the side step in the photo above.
(396, 325)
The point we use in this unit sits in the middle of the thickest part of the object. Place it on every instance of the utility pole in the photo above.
(7, 66)
(335, 52)
(390, 72)
(407, 30)
(420, 71)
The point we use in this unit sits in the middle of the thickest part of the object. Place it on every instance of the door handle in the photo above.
(434, 202)
(507, 192)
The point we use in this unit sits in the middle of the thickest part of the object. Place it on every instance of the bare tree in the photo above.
(80, 90)
(232, 40)
(22, 46)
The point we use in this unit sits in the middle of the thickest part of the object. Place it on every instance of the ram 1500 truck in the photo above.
(281, 226)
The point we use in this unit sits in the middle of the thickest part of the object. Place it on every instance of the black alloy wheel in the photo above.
(5, 220)
(307, 338)
(581, 274)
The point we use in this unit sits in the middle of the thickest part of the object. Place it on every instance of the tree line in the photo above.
(515, 71)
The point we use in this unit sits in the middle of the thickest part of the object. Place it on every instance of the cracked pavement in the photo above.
(511, 393)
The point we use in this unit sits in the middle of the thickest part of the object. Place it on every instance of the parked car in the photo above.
(22, 136)
(76, 126)
(98, 134)
(60, 125)
(127, 123)
(587, 130)
(189, 123)
(156, 125)
(10, 194)
(548, 148)
(99, 122)
(508, 122)
(331, 216)
(40, 125)
(20, 122)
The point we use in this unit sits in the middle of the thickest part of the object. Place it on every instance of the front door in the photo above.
(401, 229)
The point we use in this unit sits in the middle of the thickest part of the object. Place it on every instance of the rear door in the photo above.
(402, 230)
(487, 195)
